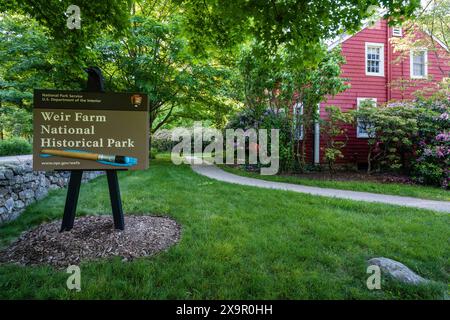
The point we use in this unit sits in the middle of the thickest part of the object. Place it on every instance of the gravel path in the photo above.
(213, 172)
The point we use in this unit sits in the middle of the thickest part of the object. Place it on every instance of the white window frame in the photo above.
(295, 109)
(359, 134)
(375, 45)
(317, 137)
(411, 63)
(397, 31)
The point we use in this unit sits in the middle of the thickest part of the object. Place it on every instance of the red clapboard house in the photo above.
(374, 71)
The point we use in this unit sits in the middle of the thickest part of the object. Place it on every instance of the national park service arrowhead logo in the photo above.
(136, 100)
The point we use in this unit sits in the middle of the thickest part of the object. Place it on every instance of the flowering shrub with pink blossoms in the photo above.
(410, 136)
(432, 162)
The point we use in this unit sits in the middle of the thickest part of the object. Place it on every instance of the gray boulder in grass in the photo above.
(397, 270)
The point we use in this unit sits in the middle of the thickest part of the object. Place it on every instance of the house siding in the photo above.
(369, 86)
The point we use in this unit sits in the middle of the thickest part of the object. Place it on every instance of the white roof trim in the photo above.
(340, 40)
(442, 44)
(344, 37)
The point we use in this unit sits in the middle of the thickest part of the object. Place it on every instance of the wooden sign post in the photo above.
(90, 131)
(72, 199)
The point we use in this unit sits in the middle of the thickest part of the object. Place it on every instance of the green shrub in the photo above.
(16, 122)
(432, 165)
(152, 154)
(14, 146)
(332, 128)
(281, 121)
(269, 119)
(412, 136)
(392, 129)
(162, 141)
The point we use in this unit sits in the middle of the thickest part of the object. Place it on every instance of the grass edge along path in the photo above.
(397, 189)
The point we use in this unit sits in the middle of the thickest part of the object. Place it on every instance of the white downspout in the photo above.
(317, 138)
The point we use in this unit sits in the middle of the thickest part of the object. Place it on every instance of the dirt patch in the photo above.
(92, 238)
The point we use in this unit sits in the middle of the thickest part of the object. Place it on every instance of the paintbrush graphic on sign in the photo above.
(113, 160)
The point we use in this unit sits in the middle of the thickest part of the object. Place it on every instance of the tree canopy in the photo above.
(153, 58)
(274, 22)
(196, 59)
(96, 16)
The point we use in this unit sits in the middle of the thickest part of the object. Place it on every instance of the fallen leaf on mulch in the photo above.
(92, 238)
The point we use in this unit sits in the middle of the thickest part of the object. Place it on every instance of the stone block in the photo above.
(40, 193)
(9, 204)
(19, 204)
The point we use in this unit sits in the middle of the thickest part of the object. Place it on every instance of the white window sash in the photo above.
(424, 53)
(298, 130)
(380, 46)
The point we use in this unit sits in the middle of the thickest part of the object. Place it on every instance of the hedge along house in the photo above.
(377, 72)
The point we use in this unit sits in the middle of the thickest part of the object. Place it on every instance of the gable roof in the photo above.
(345, 36)
(442, 44)
(333, 43)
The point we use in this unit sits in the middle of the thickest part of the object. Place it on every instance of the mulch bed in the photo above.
(92, 238)
(355, 176)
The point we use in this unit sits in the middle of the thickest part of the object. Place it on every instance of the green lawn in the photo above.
(417, 191)
(242, 243)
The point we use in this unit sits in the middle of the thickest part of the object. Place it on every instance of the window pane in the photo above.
(298, 126)
(373, 59)
(418, 70)
(418, 58)
(363, 127)
(361, 130)
(418, 64)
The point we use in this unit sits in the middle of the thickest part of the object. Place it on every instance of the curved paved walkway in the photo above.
(213, 172)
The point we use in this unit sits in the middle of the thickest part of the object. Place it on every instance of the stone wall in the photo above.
(20, 186)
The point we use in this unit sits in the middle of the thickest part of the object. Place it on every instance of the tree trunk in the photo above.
(150, 145)
(150, 136)
(369, 164)
(304, 148)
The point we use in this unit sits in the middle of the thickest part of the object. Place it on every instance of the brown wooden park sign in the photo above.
(90, 131)
(87, 130)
